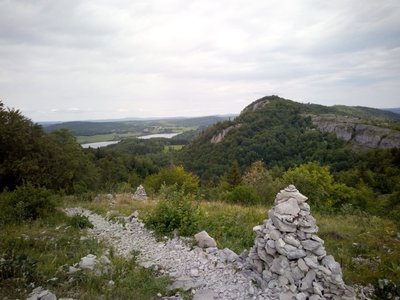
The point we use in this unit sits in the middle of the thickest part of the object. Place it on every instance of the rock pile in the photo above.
(140, 194)
(289, 257)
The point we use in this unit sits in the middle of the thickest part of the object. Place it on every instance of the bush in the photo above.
(184, 181)
(26, 203)
(80, 222)
(21, 267)
(313, 180)
(243, 195)
(175, 211)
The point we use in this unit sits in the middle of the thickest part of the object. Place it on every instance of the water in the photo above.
(158, 135)
(143, 137)
(99, 144)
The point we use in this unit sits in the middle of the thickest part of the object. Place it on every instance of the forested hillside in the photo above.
(281, 133)
(282, 136)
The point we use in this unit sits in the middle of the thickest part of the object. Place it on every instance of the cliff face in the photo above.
(220, 136)
(354, 130)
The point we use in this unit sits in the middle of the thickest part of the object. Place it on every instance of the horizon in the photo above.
(135, 118)
(85, 60)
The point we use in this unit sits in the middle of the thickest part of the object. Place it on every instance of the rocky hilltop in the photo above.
(362, 126)
(282, 132)
(355, 130)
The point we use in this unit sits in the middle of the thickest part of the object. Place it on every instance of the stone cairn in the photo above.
(140, 194)
(289, 257)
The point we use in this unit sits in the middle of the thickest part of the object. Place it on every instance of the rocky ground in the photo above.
(204, 270)
(209, 273)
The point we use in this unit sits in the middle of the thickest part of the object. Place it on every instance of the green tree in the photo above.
(233, 176)
(261, 181)
(242, 194)
(175, 175)
(313, 180)
(27, 154)
(20, 142)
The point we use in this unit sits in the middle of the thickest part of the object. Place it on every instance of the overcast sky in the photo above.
(75, 60)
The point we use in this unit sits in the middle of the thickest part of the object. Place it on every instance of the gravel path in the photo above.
(206, 273)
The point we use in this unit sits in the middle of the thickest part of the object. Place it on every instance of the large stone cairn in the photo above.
(140, 194)
(288, 256)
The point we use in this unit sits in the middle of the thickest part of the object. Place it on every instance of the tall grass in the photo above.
(39, 252)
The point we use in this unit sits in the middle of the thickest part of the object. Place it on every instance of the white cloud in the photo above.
(176, 57)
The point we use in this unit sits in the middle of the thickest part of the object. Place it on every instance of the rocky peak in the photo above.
(260, 103)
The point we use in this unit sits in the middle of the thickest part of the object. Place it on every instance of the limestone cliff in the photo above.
(220, 136)
(357, 131)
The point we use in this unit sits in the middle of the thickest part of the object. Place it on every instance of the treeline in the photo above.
(87, 128)
(57, 162)
(372, 186)
(267, 149)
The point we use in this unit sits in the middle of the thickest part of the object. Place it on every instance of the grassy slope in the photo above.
(39, 249)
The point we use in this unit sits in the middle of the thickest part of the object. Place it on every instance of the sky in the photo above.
(66, 60)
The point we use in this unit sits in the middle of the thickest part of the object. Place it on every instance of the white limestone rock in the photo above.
(41, 294)
(289, 207)
(88, 262)
(204, 240)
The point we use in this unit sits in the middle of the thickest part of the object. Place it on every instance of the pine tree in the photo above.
(233, 177)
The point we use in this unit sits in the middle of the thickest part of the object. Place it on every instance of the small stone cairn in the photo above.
(289, 257)
(140, 194)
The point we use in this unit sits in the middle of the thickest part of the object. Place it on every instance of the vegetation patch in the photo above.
(175, 211)
(40, 252)
(26, 203)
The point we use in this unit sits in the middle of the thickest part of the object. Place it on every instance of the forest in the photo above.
(266, 149)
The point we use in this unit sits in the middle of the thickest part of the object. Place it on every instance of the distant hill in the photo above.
(143, 126)
(368, 113)
(395, 110)
(284, 133)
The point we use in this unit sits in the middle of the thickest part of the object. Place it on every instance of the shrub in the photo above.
(175, 211)
(20, 266)
(184, 181)
(79, 222)
(26, 203)
(243, 195)
(313, 180)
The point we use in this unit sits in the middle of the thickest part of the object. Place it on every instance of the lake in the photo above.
(158, 135)
(143, 137)
(98, 144)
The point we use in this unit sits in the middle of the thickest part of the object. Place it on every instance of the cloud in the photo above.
(175, 57)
